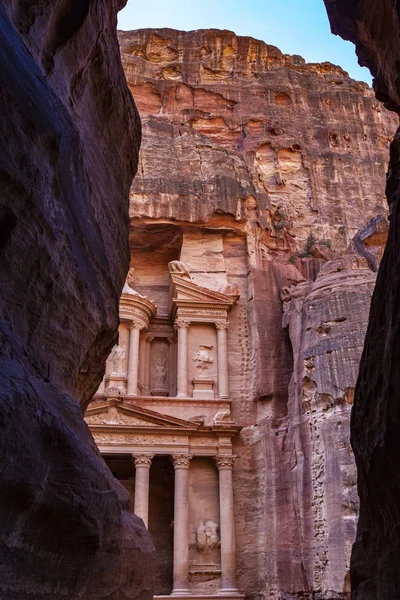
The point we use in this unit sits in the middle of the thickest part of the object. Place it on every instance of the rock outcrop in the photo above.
(263, 172)
(70, 136)
(374, 28)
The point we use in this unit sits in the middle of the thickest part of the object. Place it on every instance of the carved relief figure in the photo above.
(160, 372)
(117, 358)
(130, 279)
(202, 359)
(222, 416)
(230, 289)
(207, 537)
(178, 267)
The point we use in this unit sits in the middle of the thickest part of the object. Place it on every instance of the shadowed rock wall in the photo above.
(270, 168)
(374, 27)
(70, 136)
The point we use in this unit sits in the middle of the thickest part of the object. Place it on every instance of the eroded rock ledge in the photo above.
(70, 135)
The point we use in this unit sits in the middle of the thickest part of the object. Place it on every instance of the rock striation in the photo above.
(374, 28)
(265, 173)
(70, 136)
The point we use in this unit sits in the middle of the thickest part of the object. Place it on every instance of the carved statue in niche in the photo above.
(117, 358)
(202, 359)
(159, 378)
(207, 538)
(160, 372)
(179, 268)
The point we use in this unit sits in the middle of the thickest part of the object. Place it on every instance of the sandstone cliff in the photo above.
(70, 136)
(260, 170)
(374, 28)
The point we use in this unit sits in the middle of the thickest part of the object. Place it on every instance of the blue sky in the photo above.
(295, 27)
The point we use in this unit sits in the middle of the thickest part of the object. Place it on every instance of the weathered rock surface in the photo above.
(374, 28)
(264, 172)
(70, 135)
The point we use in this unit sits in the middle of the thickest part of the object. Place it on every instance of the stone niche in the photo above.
(203, 366)
(204, 540)
(160, 367)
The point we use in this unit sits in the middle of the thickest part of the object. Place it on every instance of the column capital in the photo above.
(136, 324)
(181, 461)
(224, 462)
(222, 326)
(143, 460)
(150, 337)
(182, 324)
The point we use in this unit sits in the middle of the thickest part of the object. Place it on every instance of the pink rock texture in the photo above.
(276, 168)
(374, 28)
(70, 136)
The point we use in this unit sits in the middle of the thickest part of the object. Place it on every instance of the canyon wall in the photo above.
(265, 173)
(374, 28)
(70, 137)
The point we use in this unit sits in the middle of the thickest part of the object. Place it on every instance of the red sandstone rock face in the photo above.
(70, 135)
(374, 28)
(284, 162)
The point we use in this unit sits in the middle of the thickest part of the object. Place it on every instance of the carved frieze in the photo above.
(135, 439)
(119, 418)
(202, 312)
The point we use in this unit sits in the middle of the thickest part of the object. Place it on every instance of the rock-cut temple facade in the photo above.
(162, 421)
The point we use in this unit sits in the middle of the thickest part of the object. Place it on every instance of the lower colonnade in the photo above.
(181, 464)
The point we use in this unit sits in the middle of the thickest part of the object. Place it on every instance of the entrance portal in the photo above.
(161, 520)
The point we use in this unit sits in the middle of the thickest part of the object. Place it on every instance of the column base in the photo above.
(230, 592)
(181, 592)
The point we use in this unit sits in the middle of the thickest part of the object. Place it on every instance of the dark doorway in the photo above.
(161, 516)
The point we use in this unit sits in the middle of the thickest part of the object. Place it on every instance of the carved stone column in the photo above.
(142, 361)
(147, 370)
(173, 366)
(142, 480)
(133, 357)
(182, 370)
(181, 464)
(222, 349)
(227, 525)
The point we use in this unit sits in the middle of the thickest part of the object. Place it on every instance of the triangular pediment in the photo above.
(123, 414)
(186, 290)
